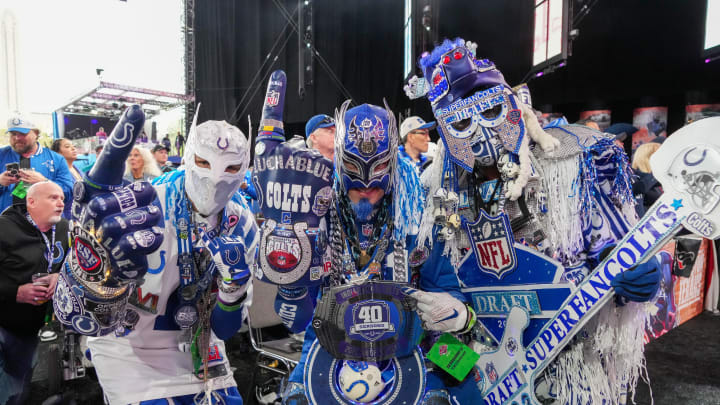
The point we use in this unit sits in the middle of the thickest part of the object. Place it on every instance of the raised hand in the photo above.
(294, 189)
(228, 254)
(114, 227)
(124, 223)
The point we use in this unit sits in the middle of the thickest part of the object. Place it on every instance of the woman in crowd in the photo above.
(141, 166)
(67, 150)
(645, 188)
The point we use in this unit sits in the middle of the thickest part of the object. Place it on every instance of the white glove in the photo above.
(439, 311)
(230, 292)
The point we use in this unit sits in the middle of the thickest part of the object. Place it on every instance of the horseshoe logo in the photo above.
(227, 143)
(159, 268)
(298, 272)
(59, 249)
(125, 139)
(234, 260)
(697, 162)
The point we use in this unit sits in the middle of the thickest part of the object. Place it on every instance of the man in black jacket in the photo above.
(32, 241)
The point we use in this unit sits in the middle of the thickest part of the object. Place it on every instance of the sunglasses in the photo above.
(327, 120)
(423, 132)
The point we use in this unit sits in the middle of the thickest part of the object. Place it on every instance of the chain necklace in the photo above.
(475, 182)
(350, 233)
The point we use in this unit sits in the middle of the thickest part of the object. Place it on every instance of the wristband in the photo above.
(230, 293)
(471, 319)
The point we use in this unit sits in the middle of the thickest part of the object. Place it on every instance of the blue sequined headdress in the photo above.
(471, 101)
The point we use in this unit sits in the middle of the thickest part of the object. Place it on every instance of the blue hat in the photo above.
(19, 124)
(621, 130)
(452, 72)
(318, 121)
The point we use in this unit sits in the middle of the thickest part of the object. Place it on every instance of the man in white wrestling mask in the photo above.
(211, 185)
(157, 330)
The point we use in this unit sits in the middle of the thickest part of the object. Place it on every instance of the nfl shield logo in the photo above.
(367, 229)
(491, 372)
(273, 98)
(492, 241)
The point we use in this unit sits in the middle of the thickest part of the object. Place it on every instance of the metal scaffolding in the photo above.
(189, 59)
(110, 99)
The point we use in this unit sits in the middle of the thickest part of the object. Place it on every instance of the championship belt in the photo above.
(82, 300)
(294, 191)
(373, 321)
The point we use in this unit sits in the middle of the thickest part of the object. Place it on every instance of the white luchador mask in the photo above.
(223, 145)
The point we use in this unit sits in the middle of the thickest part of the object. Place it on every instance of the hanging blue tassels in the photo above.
(408, 201)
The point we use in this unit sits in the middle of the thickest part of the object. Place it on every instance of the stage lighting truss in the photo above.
(111, 99)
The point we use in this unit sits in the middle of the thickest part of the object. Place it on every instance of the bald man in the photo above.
(33, 240)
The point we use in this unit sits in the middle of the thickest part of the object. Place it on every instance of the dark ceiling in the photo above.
(628, 54)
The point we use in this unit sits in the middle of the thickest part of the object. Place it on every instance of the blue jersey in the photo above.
(420, 164)
(147, 340)
(46, 162)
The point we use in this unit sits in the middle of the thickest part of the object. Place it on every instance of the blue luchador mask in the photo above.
(476, 110)
(366, 147)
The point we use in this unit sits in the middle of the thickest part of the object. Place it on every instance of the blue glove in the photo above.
(639, 283)
(114, 227)
(115, 224)
(228, 256)
(128, 235)
(295, 306)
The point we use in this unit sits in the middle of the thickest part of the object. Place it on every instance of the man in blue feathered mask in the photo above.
(522, 214)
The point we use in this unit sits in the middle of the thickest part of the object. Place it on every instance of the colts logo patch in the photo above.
(366, 136)
(492, 241)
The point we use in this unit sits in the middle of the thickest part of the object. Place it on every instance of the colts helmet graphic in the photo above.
(693, 172)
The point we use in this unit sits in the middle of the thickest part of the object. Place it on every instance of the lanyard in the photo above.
(189, 262)
(48, 244)
(185, 229)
